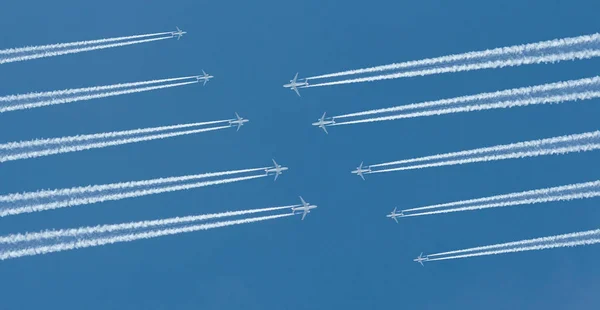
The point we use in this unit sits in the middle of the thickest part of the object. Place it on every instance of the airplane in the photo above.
(421, 259)
(359, 170)
(293, 85)
(278, 169)
(239, 121)
(305, 208)
(394, 215)
(178, 33)
(205, 77)
(322, 123)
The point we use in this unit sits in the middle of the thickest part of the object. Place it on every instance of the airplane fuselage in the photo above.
(292, 85)
(307, 208)
(238, 122)
(361, 171)
(324, 123)
(276, 170)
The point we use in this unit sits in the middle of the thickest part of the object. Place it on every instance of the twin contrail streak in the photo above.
(519, 61)
(550, 151)
(563, 197)
(76, 201)
(24, 106)
(524, 243)
(78, 43)
(551, 191)
(523, 91)
(100, 229)
(85, 243)
(72, 91)
(503, 51)
(480, 107)
(99, 136)
(500, 148)
(523, 249)
(118, 186)
(53, 53)
(60, 149)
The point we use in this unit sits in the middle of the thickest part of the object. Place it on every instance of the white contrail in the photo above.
(85, 243)
(522, 243)
(100, 229)
(523, 91)
(480, 107)
(505, 147)
(520, 195)
(563, 197)
(118, 186)
(78, 43)
(53, 53)
(56, 93)
(523, 249)
(72, 201)
(516, 49)
(98, 136)
(550, 151)
(39, 104)
(584, 54)
(60, 149)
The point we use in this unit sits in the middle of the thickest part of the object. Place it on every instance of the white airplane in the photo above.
(178, 33)
(278, 169)
(293, 85)
(239, 121)
(322, 123)
(421, 259)
(360, 170)
(204, 77)
(305, 208)
(394, 215)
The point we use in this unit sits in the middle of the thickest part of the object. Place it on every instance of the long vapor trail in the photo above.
(72, 91)
(536, 200)
(76, 201)
(98, 136)
(85, 243)
(24, 106)
(515, 196)
(495, 64)
(53, 53)
(549, 151)
(480, 107)
(118, 186)
(537, 144)
(60, 149)
(100, 229)
(78, 43)
(525, 243)
(516, 49)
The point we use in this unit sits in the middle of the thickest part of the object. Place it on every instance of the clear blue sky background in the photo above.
(346, 254)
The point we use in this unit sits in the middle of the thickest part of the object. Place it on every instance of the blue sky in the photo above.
(346, 254)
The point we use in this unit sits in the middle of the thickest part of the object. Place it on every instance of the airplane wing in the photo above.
(275, 163)
(395, 219)
(276, 175)
(421, 262)
(295, 77)
(238, 117)
(304, 214)
(362, 176)
(303, 202)
(324, 129)
(204, 72)
(323, 117)
(239, 125)
(296, 90)
(205, 81)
